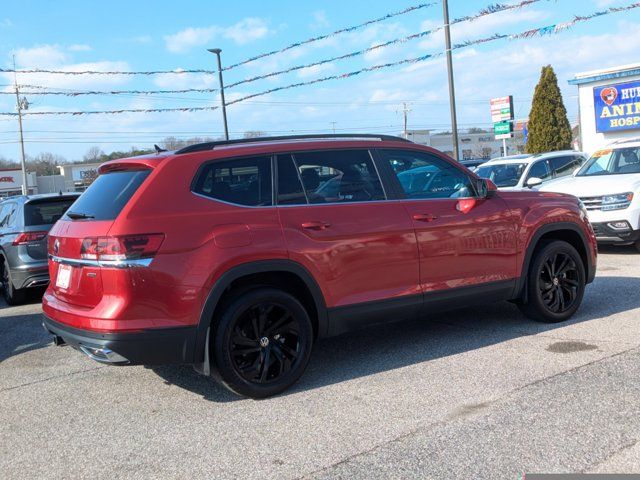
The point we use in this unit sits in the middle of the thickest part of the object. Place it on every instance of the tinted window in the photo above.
(290, 189)
(244, 181)
(539, 170)
(108, 194)
(425, 176)
(46, 212)
(562, 166)
(502, 174)
(339, 176)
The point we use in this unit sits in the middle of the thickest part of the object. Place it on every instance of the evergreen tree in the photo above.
(549, 127)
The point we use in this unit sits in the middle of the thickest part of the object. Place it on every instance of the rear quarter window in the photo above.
(243, 181)
(108, 194)
(46, 212)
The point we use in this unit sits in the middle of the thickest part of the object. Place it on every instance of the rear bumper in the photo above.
(30, 275)
(159, 346)
(609, 236)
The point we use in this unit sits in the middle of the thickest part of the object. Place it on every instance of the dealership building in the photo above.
(609, 103)
(72, 178)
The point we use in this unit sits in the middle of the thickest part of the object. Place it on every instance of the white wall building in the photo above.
(472, 145)
(609, 102)
(11, 182)
(77, 177)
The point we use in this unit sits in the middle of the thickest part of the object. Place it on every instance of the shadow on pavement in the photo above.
(397, 345)
(21, 332)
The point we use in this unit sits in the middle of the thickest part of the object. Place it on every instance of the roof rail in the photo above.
(201, 147)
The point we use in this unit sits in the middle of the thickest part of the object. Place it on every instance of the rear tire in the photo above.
(555, 283)
(637, 245)
(12, 295)
(262, 342)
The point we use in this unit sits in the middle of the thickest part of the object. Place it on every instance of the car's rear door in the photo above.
(357, 243)
(465, 241)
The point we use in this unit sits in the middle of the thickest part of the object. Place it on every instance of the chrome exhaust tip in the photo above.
(102, 355)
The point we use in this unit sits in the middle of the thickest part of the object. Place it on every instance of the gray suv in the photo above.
(25, 222)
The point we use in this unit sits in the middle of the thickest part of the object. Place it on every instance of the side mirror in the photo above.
(534, 182)
(485, 188)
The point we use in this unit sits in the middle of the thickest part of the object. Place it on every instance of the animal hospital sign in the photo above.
(617, 107)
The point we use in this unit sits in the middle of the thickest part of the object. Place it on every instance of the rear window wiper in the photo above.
(77, 215)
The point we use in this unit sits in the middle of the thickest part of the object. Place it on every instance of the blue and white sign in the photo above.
(617, 107)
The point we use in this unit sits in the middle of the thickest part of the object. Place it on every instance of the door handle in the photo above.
(315, 225)
(424, 217)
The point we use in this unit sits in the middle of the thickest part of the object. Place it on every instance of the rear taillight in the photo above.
(126, 247)
(29, 237)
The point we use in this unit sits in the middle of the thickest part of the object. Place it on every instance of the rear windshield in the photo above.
(108, 194)
(46, 212)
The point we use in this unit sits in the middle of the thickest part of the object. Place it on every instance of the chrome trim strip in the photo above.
(83, 262)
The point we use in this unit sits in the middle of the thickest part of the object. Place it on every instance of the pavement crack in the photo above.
(55, 377)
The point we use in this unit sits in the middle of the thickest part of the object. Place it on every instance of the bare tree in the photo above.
(254, 134)
(93, 155)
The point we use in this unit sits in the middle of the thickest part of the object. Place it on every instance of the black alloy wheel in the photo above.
(555, 283)
(558, 282)
(261, 343)
(265, 343)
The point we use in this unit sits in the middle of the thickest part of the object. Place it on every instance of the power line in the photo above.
(113, 92)
(106, 72)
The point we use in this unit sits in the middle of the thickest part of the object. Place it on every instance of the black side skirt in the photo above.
(354, 317)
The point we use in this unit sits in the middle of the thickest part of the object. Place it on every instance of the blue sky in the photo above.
(127, 35)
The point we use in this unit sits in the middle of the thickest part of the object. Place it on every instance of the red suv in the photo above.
(236, 256)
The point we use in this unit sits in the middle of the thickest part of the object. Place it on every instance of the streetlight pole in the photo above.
(217, 51)
(452, 93)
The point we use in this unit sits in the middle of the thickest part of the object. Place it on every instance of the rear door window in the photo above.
(46, 211)
(337, 176)
(563, 166)
(108, 194)
(243, 181)
(540, 170)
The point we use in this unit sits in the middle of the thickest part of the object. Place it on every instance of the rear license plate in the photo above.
(64, 276)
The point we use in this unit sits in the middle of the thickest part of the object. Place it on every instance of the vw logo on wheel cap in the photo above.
(264, 342)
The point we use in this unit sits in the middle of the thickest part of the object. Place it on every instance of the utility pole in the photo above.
(452, 93)
(218, 51)
(21, 104)
(333, 125)
(405, 111)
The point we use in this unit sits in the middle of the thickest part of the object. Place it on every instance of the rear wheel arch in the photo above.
(286, 275)
(565, 231)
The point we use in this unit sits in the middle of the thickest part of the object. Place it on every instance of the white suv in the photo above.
(609, 186)
(519, 171)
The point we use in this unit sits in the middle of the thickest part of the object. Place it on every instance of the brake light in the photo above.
(126, 247)
(29, 237)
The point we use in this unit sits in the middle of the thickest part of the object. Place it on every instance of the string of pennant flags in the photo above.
(536, 32)
(248, 60)
(108, 92)
(98, 112)
(498, 7)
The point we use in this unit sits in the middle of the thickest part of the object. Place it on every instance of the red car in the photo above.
(237, 256)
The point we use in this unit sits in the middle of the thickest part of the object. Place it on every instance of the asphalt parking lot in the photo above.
(475, 393)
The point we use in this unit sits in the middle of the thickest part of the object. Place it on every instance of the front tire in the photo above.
(555, 283)
(12, 295)
(262, 342)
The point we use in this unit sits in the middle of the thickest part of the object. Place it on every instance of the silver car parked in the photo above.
(25, 222)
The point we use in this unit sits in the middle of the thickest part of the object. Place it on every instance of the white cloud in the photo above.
(185, 80)
(189, 38)
(316, 70)
(6, 23)
(244, 31)
(141, 39)
(320, 20)
(41, 56)
(79, 47)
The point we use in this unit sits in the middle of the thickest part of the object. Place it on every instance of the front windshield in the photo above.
(612, 162)
(502, 174)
